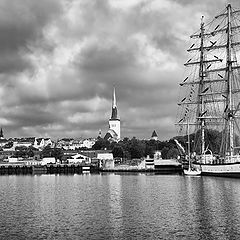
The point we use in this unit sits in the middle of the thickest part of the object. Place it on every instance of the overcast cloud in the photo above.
(60, 60)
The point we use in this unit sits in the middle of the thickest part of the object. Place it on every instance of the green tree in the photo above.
(137, 148)
(100, 144)
(117, 151)
(172, 153)
(165, 152)
(52, 152)
(47, 152)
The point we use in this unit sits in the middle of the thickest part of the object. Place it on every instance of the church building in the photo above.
(114, 122)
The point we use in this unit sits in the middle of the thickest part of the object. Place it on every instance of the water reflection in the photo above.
(118, 206)
(114, 202)
(213, 207)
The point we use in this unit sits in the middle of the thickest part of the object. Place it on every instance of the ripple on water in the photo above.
(113, 206)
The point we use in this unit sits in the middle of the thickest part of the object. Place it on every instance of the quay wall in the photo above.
(164, 169)
(79, 169)
(47, 169)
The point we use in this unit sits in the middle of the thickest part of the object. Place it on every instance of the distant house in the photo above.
(105, 156)
(48, 160)
(79, 158)
(40, 143)
(23, 142)
(88, 143)
(3, 142)
(64, 143)
(75, 144)
(8, 147)
(48, 142)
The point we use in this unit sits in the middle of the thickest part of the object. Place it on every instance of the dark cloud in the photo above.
(60, 60)
(20, 24)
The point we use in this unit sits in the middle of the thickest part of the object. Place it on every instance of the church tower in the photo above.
(1, 134)
(114, 121)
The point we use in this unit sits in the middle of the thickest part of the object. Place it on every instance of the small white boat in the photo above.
(192, 172)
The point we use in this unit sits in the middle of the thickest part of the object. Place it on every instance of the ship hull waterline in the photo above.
(220, 170)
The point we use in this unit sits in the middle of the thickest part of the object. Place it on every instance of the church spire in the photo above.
(114, 102)
(1, 133)
(114, 106)
(114, 122)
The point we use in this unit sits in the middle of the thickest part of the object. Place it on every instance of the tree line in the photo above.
(135, 148)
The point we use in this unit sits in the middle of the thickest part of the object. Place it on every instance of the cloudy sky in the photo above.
(60, 60)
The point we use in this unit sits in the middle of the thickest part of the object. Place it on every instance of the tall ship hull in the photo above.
(209, 108)
(220, 170)
(226, 167)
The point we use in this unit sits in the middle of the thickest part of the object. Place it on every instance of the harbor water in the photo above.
(119, 206)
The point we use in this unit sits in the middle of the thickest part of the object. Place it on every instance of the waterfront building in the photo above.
(106, 160)
(79, 158)
(158, 163)
(105, 156)
(48, 160)
(114, 132)
(149, 162)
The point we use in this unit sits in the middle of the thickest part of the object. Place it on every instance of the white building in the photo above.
(88, 143)
(23, 142)
(106, 160)
(79, 158)
(48, 160)
(149, 163)
(40, 143)
(74, 144)
(105, 156)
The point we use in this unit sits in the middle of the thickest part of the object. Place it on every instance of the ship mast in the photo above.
(189, 150)
(229, 81)
(201, 75)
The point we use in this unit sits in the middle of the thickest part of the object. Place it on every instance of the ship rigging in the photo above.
(211, 89)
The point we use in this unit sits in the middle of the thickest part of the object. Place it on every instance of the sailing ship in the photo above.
(210, 104)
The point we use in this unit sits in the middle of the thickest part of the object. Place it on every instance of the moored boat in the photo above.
(192, 172)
